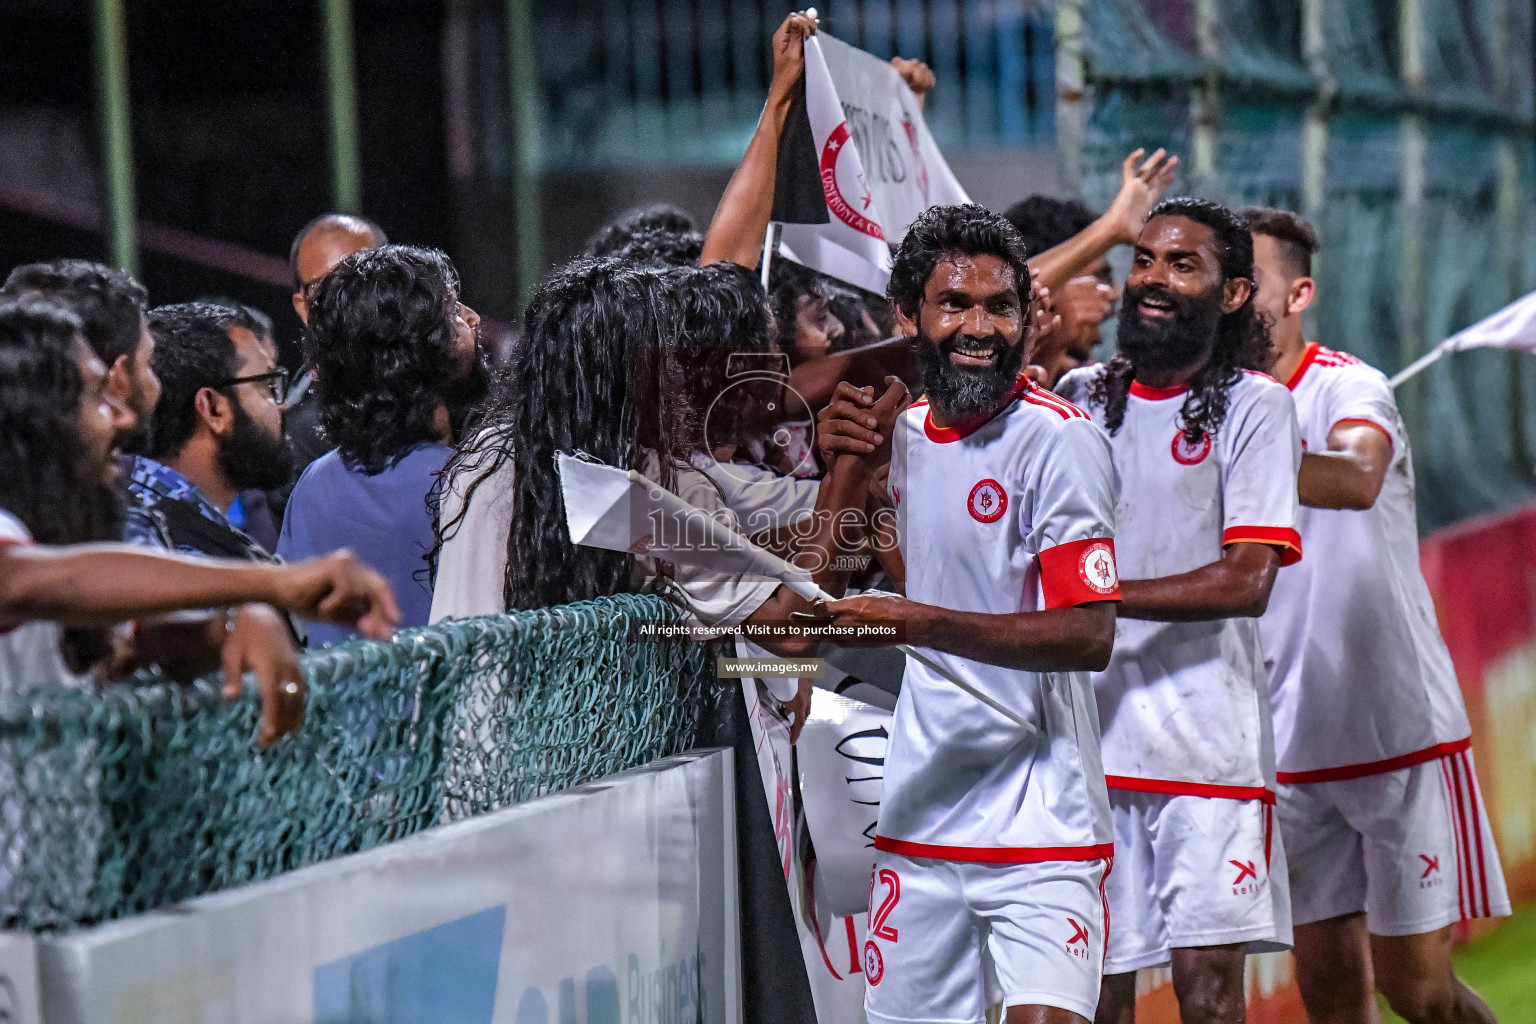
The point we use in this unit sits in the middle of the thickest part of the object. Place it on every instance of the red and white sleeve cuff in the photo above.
(1079, 572)
(1361, 421)
(1282, 537)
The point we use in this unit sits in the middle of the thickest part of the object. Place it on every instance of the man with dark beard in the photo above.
(992, 835)
(1207, 452)
(217, 431)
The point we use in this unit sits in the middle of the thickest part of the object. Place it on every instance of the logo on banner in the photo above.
(1097, 569)
(831, 154)
(874, 964)
(1186, 454)
(988, 501)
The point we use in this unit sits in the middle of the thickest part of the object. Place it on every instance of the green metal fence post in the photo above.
(341, 95)
(1071, 100)
(117, 138)
(523, 83)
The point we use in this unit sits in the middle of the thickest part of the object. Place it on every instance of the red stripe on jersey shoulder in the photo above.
(1168, 787)
(1034, 394)
(994, 854)
(1332, 357)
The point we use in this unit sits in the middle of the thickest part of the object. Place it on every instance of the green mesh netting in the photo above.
(1426, 194)
(119, 801)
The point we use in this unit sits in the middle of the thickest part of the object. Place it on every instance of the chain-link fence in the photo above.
(118, 801)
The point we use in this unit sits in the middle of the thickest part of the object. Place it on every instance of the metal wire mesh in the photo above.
(118, 801)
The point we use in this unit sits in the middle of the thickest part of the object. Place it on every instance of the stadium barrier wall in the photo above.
(614, 901)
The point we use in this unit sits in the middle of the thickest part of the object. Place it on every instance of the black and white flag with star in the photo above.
(856, 166)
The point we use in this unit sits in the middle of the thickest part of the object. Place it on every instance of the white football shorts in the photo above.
(1193, 871)
(947, 939)
(1412, 848)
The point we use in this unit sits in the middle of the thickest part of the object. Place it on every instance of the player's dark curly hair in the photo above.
(593, 372)
(725, 314)
(46, 480)
(380, 334)
(109, 303)
(1044, 222)
(1242, 336)
(941, 230)
(657, 234)
(193, 351)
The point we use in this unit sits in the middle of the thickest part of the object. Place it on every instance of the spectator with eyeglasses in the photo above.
(216, 431)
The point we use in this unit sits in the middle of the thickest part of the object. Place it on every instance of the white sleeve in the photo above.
(1263, 449)
(12, 531)
(1075, 385)
(472, 566)
(1072, 522)
(1361, 395)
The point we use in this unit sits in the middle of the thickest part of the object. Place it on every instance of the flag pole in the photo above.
(1420, 364)
(770, 245)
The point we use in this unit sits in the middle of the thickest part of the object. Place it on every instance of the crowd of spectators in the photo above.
(159, 459)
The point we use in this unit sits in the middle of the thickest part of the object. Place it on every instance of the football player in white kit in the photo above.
(1384, 828)
(1206, 450)
(994, 836)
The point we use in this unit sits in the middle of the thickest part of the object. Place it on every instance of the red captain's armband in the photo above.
(1079, 572)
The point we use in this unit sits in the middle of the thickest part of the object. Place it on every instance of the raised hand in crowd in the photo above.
(917, 75)
(741, 218)
(1142, 183)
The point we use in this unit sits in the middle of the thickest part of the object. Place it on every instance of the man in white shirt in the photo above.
(1206, 451)
(1385, 831)
(993, 836)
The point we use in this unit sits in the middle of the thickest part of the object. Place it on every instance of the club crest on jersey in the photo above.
(988, 501)
(1097, 568)
(874, 964)
(1186, 454)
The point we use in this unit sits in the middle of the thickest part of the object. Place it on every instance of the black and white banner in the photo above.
(856, 166)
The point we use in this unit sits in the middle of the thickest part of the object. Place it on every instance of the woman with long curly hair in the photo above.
(1207, 450)
(398, 375)
(596, 371)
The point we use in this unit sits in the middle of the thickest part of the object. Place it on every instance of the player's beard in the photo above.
(252, 458)
(961, 392)
(1171, 343)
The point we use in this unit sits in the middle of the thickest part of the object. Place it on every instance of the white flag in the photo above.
(871, 161)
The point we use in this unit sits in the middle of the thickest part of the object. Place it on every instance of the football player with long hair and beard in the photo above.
(1206, 449)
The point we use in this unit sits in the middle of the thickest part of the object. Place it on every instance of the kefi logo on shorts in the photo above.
(988, 501)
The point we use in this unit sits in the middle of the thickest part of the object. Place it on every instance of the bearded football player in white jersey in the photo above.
(993, 836)
(1384, 827)
(1206, 450)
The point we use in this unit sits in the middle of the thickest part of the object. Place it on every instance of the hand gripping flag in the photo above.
(624, 511)
(856, 166)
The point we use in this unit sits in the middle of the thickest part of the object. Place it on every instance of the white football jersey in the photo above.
(1362, 681)
(1013, 513)
(1184, 705)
